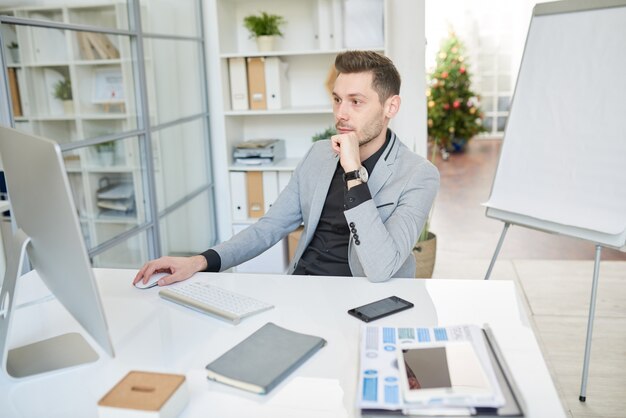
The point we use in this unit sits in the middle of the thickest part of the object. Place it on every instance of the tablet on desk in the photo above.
(447, 374)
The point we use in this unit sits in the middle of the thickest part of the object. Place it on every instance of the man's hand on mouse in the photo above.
(180, 268)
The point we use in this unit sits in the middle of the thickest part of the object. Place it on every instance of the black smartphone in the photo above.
(380, 308)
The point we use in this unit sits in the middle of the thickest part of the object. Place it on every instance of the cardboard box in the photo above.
(145, 395)
(292, 242)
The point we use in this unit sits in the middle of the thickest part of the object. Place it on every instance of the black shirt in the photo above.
(327, 253)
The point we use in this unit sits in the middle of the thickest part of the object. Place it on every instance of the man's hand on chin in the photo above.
(346, 145)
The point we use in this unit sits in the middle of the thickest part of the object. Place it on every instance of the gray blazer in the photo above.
(403, 186)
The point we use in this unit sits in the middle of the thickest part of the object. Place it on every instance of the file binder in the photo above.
(270, 189)
(283, 180)
(337, 34)
(254, 189)
(15, 92)
(239, 199)
(238, 83)
(276, 83)
(324, 24)
(256, 83)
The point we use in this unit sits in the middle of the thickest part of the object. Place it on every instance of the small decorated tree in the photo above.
(454, 114)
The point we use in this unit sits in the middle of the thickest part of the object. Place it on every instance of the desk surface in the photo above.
(149, 333)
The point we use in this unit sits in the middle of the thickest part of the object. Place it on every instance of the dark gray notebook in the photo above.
(264, 359)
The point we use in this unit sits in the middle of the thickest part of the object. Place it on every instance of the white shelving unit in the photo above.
(46, 55)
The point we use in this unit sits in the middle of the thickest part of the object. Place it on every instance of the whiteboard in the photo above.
(562, 166)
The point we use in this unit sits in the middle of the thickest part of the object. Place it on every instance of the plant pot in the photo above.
(15, 55)
(265, 43)
(457, 145)
(68, 107)
(425, 253)
(107, 158)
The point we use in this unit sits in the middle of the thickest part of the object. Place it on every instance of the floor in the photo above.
(553, 274)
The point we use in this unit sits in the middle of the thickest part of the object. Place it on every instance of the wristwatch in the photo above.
(360, 174)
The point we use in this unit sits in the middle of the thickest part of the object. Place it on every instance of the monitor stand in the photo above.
(60, 352)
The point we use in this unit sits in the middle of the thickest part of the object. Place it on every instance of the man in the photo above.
(363, 196)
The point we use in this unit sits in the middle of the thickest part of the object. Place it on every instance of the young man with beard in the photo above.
(363, 196)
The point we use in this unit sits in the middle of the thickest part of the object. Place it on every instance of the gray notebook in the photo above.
(264, 359)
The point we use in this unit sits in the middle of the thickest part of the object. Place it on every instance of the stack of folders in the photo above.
(258, 83)
(437, 371)
(264, 359)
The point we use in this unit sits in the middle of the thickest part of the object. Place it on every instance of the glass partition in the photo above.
(180, 160)
(174, 79)
(171, 17)
(188, 230)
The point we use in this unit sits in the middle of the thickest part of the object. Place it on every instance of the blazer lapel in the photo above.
(382, 169)
(322, 183)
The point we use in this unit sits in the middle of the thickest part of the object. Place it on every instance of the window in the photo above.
(493, 33)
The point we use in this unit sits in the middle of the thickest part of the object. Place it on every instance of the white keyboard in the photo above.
(210, 299)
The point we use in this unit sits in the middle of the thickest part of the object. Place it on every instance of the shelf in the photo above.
(286, 164)
(121, 219)
(110, 169)
(63, 118)
(99, 62)
(46, 64)
(109, 219)
(73, 117)
(288, 53)
(103, 116)
(292, 111)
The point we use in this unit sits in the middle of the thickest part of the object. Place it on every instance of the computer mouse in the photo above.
(152, 281)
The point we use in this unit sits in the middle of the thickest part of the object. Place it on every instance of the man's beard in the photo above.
(369, 132)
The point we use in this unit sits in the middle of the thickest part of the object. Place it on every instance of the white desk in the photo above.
(152, 334)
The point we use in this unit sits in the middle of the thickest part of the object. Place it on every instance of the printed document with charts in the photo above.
(381, 382)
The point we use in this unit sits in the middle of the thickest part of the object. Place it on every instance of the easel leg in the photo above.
(592, 310)
(495, 254)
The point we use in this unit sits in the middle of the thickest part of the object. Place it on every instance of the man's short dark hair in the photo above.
(385, 76)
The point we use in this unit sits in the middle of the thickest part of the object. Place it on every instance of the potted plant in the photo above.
(265, 28)
(14, 49)
(106, 153)
(425, 249)
(63, 91)
(454, 114)
(325, 134)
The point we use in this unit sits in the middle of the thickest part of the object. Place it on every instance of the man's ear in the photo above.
(392, 105)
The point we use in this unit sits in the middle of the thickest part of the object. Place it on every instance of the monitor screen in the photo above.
(43, 209)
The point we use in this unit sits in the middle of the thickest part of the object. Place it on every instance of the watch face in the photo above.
(363, 175)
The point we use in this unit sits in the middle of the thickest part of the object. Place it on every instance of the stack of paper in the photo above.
(116, 199)
(382, 387)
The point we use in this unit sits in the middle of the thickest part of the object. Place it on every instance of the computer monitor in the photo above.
(49, 230)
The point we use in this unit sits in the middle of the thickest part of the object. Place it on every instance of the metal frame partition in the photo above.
(144, 131)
